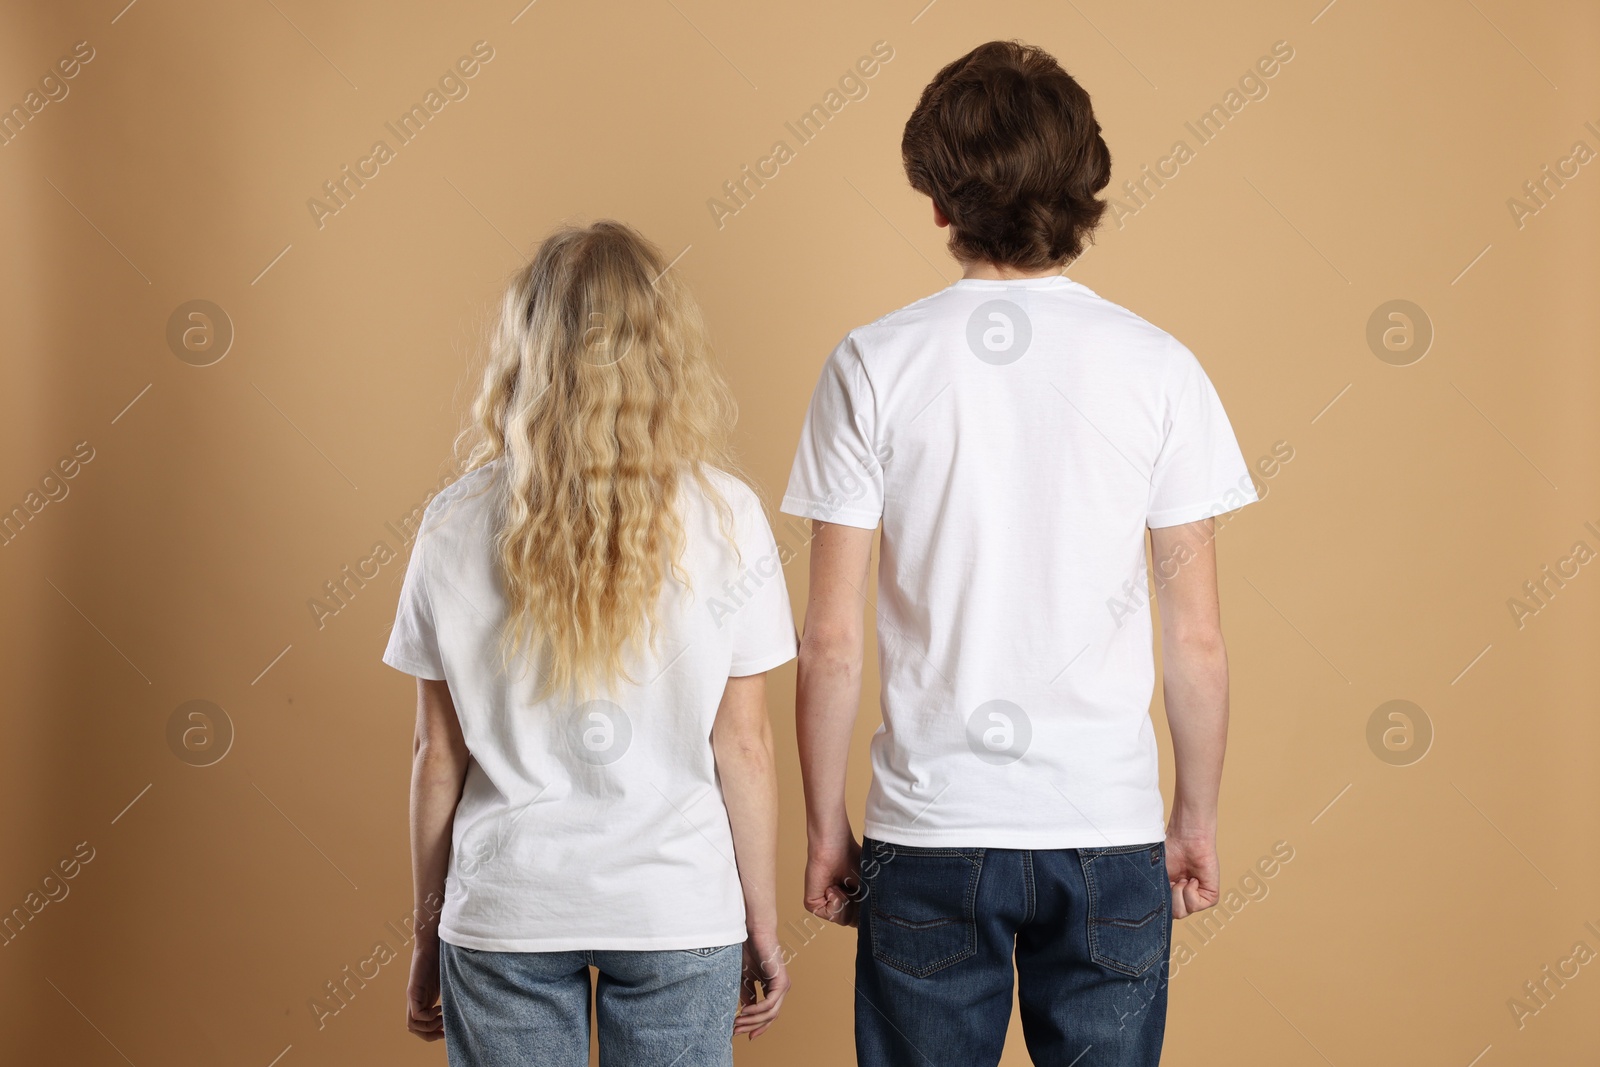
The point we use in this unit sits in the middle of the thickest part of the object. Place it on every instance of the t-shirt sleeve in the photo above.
(837, 476)
(414, 642)
(1199, 471)
(763, 635)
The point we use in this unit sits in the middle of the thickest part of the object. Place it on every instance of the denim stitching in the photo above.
(912, 924)
(973, 855)
(1132, 924)
(1086, 858)
(1028, 891)
(969, 915)
(972, 893)
(1115, 850)
(1156, 851)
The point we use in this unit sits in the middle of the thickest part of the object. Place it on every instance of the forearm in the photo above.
(750, 792)
(436, 781)
(1195, 683)
(828, 697)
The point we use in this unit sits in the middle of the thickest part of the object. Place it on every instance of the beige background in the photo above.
(1420, 897)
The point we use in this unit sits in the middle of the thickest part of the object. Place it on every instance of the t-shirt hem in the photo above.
(714, 939)
(416, 667)
(1054, 838)
(1193, 513)
(760, 664)
(823, 512)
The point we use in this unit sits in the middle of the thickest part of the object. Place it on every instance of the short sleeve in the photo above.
(414, 643)
(763, 634)
(1199, 471)
(837, 476)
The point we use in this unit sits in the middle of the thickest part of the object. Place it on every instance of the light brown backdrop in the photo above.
(220, 899)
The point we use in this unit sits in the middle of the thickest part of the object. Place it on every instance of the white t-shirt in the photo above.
(1015, 438)
(600, 825)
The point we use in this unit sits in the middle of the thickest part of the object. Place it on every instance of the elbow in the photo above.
(439, 760)
(1196, 640)
(744, 749)
(831, 652)
(1195, 649)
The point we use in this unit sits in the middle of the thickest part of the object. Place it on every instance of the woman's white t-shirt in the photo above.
(1015, 439)
(598, 825)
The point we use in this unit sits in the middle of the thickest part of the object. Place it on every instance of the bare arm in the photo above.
(439, 760)
(825, 713)
(1195, 684)
(742, 742)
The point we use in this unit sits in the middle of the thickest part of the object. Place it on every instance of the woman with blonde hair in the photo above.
(590, 611)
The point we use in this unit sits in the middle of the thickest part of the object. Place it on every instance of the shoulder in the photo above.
(744, 505)
(724, 518)
(468, 497)
(741, 499)
(1130, 327)
(1140, 343)
(898, 319)
(885, 335)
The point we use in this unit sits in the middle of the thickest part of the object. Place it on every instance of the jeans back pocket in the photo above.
(923, 905)
(1128, 900)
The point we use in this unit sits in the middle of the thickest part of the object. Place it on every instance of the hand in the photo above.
(763, 963)
(424, 1016)
(1192, 870)
(833, 880)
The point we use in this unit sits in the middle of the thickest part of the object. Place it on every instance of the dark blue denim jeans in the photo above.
(1088, 930)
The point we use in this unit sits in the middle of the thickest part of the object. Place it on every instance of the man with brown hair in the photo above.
(1016, 435)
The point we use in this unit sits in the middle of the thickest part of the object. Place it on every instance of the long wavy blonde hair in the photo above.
(600, 396)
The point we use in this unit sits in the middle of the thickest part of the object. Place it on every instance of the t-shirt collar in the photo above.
(1049, 281)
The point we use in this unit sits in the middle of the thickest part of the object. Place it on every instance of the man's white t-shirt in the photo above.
(1015, 438)
(600, 824)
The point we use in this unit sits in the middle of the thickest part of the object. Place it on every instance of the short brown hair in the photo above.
(1006, 144)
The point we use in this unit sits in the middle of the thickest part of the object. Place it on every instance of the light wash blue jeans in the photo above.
(531, 1009)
